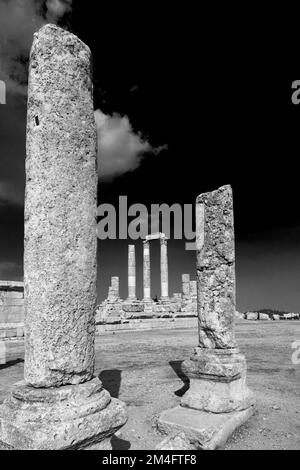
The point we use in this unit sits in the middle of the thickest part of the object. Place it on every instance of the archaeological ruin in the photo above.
(114, 310)
(11, 321)
(60, 404)
(218, 400)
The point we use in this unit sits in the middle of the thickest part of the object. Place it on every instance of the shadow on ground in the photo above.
(11, 363)
(119, 444)
(176, 366)
(111, 380)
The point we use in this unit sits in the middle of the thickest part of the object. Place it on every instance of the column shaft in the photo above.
(131, 273)
(186, 286)
(164, 268)
(216, 269)
(60, 212)
(146, 271)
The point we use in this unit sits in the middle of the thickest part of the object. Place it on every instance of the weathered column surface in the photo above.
(216, 269)
(193, 289)
(186, 286)
(60, 212)
(146, 271)
(60, 405)
(114, 289)
(131, 273)
(164, 277)
(218, 399)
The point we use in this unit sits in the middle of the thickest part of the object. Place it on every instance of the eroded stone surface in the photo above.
(60, 212)
(207, 431)
(80, 416)
(216, 268)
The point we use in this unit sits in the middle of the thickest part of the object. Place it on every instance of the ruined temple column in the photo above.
(131, 273)
(186, 286)
(218, 400)
(146, 271)
(113, 293)
(60, 405)
(164, 279)
(193, 289)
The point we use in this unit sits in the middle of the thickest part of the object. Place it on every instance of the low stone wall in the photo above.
(257, 316)
(11, 350)
(148, 324)
(11, 302)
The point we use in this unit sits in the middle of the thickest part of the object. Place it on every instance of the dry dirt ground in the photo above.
(143, 369)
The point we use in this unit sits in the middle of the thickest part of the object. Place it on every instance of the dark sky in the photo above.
(190, 116)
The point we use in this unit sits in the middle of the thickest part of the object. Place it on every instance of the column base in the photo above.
(198, 429)
(217, 381)
(72, 417)
(217, 402)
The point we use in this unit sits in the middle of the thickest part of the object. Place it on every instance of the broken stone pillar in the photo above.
(146, 271)
(131, 273)
(60, 404)
(218, 400)
(164, 269)
(113, 292)
(186, 286)
(193, 289)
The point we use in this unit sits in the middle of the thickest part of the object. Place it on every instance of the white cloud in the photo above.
(120, 150)
(57, 8)
(19, 20)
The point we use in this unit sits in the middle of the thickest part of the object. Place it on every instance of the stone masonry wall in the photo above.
(11, 302)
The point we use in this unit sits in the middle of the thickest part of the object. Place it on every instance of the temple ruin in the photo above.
(114, 310)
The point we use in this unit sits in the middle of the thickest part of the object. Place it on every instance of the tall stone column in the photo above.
(131, 273)
(60, 405)
(164, 277)
(218, 400)
(146, 271)
(186, 286)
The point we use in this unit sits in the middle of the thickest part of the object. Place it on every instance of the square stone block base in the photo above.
(74, 417)
(201, 430)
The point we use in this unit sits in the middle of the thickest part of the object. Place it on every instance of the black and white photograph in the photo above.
(149, 236)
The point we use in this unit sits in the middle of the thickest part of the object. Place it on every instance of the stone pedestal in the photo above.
(218, 399)
(71, 417)
(217, 381)
(199, 430)
(60, 405)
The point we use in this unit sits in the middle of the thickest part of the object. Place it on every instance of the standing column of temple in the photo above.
(186, 286)
(60, 405)
(218, 400)
(115, 287)
(164, 278)
(146, 271)
(113, 291)
(131, 273)
(193, 289)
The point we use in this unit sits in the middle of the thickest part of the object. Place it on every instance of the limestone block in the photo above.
(251, 316)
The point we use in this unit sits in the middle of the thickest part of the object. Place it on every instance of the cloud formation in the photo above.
(120, 149)
(19, 19)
